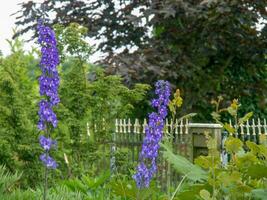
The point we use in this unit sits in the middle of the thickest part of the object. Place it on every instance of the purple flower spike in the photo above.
(49, 83)
(48, 161)
(49, 80)
(154, 131)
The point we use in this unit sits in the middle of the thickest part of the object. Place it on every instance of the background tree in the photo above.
(88, 95)
(18, 99)
(205, 47)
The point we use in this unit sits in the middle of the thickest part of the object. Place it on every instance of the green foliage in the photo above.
(176, 102)
(126, 189)
(7, 180)
(71, 40)
(91, 188)
(233, 111)
(183, 166)
(241, 175)
(123, 166)
(18, 107)
(244, 177)
(87, 96)
(10, 191)
(178, 162)
(110, 99)
(233, 145)
(98, 102)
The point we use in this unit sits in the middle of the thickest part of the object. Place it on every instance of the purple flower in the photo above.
(49, 83)
(49, 80)
(154, 131)
(46, 115)
(47, 143)
(49, 87)
(48, 161)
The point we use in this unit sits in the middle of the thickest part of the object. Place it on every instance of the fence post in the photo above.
(198, 139)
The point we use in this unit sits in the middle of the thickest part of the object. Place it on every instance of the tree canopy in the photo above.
(205, 47)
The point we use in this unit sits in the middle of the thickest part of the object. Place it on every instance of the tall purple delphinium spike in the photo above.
(49, 83)
(154, 131)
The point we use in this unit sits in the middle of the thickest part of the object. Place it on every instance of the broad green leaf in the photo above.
(259, 194)
(191, 192)
(233, 145)
(246, 159)
(227, 178)
(258, 150)
(203, 162)
(128, 190)
(257, 171)
(183, 166)
(205, 194)
(206, 162)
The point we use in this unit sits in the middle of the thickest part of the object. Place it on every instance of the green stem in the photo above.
(178, 187)
(46, 169)
(169, 166)
(46, 178)
(213, 176)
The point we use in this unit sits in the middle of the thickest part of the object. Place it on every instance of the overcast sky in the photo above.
(7, 23)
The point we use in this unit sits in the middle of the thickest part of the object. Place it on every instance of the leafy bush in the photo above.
(243, 177)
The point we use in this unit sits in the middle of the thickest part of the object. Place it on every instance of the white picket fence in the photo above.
(251, 127)
(129, 133)
(138, 127)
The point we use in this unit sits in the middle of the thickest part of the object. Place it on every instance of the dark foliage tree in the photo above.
(111, 21)
(205, 47)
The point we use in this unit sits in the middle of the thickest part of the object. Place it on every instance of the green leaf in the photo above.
(257, 171)
(245, 118)
(75, 185)
(206, 162)
(259, 194)
(229, 128)
(227, 178)
(253, 147)
(216, 116)
(96, 182)
(183, 166)
(190, 115)
(191, 192)
(128, 190)
(205, 194)
(232, 111)
(233, 145)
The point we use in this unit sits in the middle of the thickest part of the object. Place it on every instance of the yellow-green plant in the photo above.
(174, 105)
(243, 177)
(232, 110)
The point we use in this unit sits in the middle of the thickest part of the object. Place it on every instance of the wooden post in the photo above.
(197, 130)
